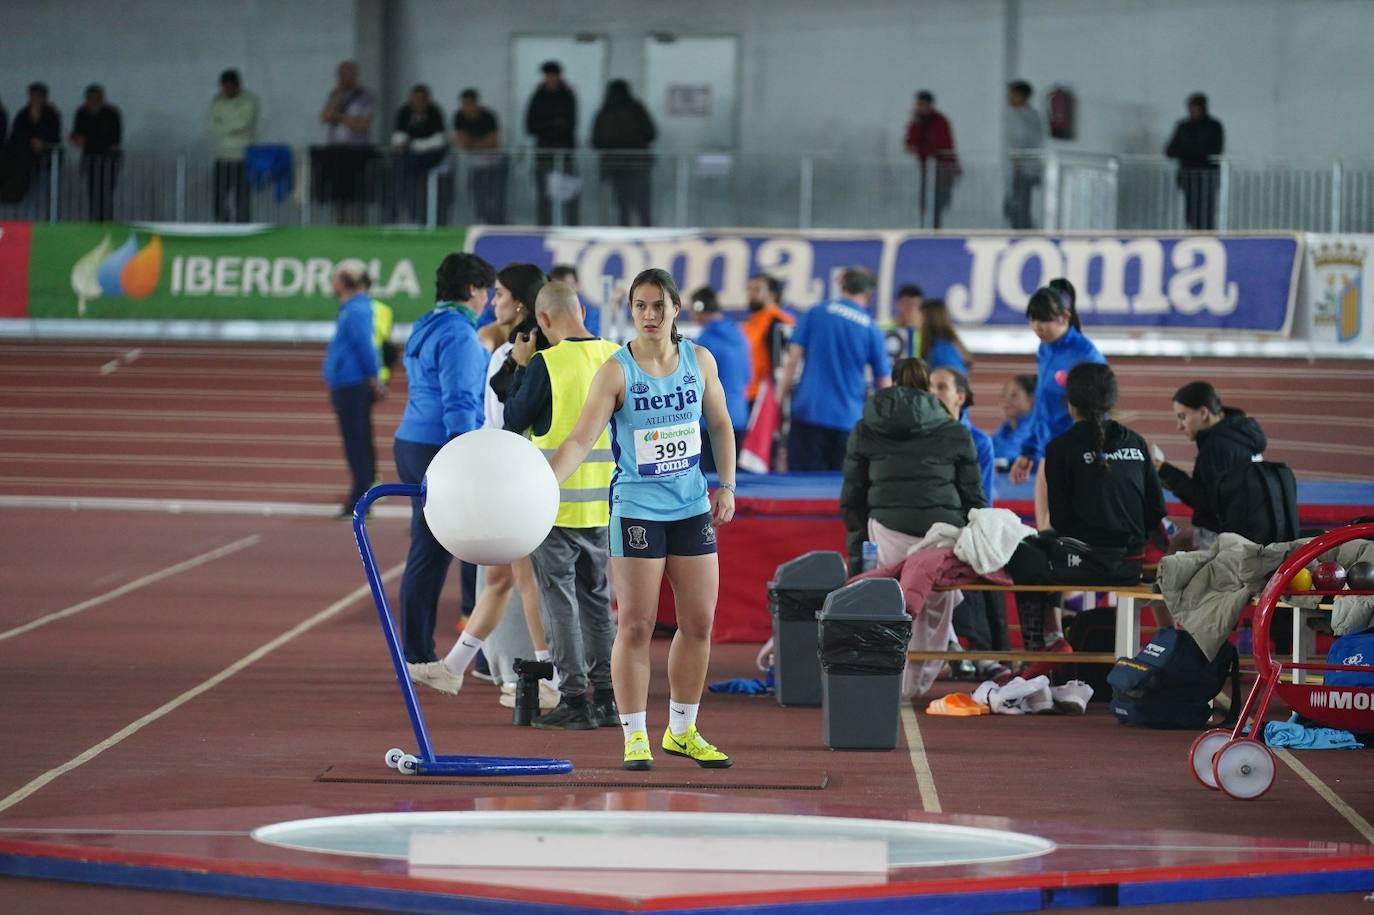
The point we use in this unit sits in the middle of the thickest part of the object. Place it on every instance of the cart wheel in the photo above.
(1202, 752)
(408, 765)
(393, 757)
(1244, 769)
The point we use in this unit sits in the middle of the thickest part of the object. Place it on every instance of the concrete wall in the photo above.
(1287, 77)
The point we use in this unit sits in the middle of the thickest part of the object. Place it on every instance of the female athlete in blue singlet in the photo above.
(653, 392)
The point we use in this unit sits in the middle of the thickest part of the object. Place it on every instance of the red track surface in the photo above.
(201, 422)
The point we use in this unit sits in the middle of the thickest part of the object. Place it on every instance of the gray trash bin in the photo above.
(863, 631)
(796, 593)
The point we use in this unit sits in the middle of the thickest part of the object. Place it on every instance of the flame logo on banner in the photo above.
(125, 271)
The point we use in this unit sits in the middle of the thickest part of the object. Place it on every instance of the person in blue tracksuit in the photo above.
(941, 347)
(1018, 395)
(446, 372)
(352, 372)
(1054, 319)
(727, 343)
(838, 341)
(952, 389)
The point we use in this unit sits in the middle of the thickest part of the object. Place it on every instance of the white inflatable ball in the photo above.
(490, 497)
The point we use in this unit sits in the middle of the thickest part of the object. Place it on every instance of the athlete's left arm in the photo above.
(722, 434)
(603, 398)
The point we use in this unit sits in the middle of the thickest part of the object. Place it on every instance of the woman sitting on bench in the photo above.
(1103, 492)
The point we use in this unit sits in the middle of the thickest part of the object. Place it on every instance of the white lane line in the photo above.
(925, 779)
(195, 506)
(168, 707)
(1337, 803)
(134, 585)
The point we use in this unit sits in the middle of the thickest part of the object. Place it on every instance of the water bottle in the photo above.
(870, 555)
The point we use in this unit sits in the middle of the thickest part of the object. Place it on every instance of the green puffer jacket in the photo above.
(909, 465)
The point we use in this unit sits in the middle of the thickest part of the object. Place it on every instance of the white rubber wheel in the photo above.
(408, 765)
(1244, 769)
(393, 757)
(1202, 752)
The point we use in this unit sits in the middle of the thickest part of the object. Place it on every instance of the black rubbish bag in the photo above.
(863, 647)
(794, 604)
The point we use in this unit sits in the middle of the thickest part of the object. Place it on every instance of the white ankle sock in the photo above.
(681, 717)
(462, 653)
(634, 721)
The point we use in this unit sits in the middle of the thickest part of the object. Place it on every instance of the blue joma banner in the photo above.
(1200, 283)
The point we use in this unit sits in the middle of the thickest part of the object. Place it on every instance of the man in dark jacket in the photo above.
(909, 464)
(1197, 141)
(34, 143)
(98, 131)
(551, 118)
(1226, 439)
(622, 126)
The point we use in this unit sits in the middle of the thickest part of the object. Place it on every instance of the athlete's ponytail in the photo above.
(656, 276)
(1056, 300)
(1091, 390)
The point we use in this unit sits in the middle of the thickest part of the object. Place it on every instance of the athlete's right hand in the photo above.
(1020, 471)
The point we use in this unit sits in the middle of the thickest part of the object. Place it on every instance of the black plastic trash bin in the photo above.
(796, 593)
(863, 630)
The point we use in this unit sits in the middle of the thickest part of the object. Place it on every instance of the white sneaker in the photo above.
(436, 676)
(1039, 700)
(548, 696)
(1072, 696)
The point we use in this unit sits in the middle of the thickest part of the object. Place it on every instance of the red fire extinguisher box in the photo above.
(1059, 112)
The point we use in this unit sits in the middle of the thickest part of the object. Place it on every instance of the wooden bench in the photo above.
(1128, 599)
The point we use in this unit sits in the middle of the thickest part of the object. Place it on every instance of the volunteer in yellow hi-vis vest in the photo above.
(545, 400)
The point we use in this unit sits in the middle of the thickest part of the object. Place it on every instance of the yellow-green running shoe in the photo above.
(694, 747)
(637, 755)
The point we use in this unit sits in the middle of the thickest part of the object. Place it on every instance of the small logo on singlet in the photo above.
(639, 387)
(637, 538)
(689, 378)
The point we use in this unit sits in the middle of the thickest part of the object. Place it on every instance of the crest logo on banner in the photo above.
(1337, 285)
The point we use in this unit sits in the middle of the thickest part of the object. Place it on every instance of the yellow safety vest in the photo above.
(382, 319)
(585, 495)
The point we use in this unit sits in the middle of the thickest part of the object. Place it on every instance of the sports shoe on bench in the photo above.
(638, 757)
(567, 717)
(694, 747)
(436, 676)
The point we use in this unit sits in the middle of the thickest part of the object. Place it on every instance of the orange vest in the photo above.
(756, 328)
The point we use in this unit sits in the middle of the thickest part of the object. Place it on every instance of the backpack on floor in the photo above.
(1092, 630)
(1171, 684)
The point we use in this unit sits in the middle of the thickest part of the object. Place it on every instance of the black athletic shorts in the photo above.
(637, 538)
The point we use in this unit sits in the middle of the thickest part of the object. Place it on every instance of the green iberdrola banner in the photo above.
(218, 273)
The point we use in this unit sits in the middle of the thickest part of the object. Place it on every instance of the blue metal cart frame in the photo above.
(425, 762)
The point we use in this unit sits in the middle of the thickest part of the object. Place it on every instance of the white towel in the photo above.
(989, 539)
(938, 535)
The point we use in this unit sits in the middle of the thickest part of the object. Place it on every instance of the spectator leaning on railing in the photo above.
(1025, 134)
(233, 119)
(348, 113)
(622, 126)
(35, 133)
(551, 118)
(477, 133)
(98, 130)
(418, 139)
(1197, 141)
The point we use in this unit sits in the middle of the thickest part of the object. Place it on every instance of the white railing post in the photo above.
(54, 185)
(806, 192)
(1223, 202)
(307, 188)
(180, 204)
(1051, 191)
(432, 198)
(1337, 194)
(682, 189)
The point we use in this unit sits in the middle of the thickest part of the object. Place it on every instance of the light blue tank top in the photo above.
(656, 440)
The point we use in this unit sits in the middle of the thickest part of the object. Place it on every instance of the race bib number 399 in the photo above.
(667, 451)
